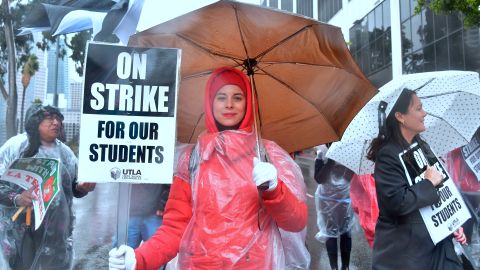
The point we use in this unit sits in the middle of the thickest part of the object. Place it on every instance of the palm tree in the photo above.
(28, 71)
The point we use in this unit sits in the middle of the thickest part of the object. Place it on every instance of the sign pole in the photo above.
(123, 212)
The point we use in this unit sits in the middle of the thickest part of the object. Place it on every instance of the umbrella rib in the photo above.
(207, 50)
(241, 32)
(205, 73)
(195, 127)
(293, 90)
(315, 65)
(441, 118)
(443, 94)
(361, 158)
(260, 55)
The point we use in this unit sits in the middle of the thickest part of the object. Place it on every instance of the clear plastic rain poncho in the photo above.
(232, 225)
(223, 232)
(332, 201)
(53, 242)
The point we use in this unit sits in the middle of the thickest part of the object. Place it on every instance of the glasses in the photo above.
(50, 118)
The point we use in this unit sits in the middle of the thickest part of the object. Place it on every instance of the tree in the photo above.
(469, 8)
(15, 50)
(28, 71)
(12, 52)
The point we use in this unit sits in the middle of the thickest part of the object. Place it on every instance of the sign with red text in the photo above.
(41, 173)
(128, 120)
(450, 211)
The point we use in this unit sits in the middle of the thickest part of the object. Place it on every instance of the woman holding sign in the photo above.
(401, 237)
(216, 217)
(51, 246)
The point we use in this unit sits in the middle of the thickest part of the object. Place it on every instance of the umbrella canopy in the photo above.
(450, 98)
(307, 84)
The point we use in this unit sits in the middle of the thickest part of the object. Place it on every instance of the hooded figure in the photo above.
(334, 211)
(52, 240)
(216, 217)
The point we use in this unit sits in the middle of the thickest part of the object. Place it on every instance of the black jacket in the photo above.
(401, 238)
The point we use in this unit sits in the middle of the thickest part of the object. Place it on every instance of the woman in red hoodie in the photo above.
(216, 217)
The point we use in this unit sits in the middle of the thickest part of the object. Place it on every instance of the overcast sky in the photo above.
(155, 12)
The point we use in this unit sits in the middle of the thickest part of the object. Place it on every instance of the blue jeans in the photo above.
(142, 228)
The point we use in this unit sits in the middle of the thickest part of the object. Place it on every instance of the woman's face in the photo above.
(49, 128)
(412, 123)
(229, 105)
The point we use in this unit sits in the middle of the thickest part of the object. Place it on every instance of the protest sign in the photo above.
(471, 154)
(128, 119)
(450, 212)
(41, 173)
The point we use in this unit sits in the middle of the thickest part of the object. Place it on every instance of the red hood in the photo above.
(247, 121)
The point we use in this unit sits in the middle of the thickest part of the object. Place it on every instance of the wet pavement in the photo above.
(96, 219)
(95, 227)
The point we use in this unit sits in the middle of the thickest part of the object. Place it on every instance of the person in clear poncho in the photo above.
(215, 217)
(334, 209)
(52, 240)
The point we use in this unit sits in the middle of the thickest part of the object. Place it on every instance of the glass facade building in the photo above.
(432, 42)
(386, 38)
(370, 43)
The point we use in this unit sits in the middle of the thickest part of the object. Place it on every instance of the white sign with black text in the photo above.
(450, 212)
(128, 119)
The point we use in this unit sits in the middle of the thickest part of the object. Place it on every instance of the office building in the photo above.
(58, 75)
(386, 38)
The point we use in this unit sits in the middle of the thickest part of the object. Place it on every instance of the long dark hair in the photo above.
(392, 126)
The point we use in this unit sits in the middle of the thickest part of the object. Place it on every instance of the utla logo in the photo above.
(115, 173)
(131, 172)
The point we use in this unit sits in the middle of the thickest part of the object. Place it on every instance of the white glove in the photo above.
(264, 172)
(122, 257)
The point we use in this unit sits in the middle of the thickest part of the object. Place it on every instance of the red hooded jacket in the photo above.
(215, 217)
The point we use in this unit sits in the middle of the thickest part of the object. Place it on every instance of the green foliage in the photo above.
(37, 101)
(78, 44)
(22, 43)
(469, 8)
(31, 65)
(15, 52)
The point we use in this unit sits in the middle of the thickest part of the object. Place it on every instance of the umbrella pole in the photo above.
(258, 139)
(255, 118)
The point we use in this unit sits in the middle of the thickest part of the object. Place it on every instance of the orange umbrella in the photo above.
(307, 84)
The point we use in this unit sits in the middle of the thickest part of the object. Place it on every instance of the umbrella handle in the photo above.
(19, 211)
(28, 219)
